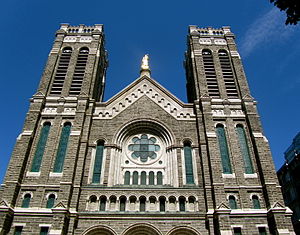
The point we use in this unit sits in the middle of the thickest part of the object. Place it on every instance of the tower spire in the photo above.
(145, 69)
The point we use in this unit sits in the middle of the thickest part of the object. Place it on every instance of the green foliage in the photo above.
(292, 9)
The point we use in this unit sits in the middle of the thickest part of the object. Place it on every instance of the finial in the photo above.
(145, 69)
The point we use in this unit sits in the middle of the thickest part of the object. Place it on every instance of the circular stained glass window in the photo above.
(144, 148)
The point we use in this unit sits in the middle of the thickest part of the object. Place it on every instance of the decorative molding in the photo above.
(85, 39)
(223, 206)
(205, 41)
(54, 51)
(49, 110)
(70, 39)
(4, 204)
(220, 42)
(218, 112)
(235, 54)
(59, 205)
(237, 113)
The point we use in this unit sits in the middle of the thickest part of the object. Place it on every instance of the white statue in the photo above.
(145, 63)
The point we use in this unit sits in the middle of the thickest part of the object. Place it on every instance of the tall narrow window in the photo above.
(159, 178)
(79, 71)
(210, 74)
(44, 230)
(26, 200)
(187, 149)
(227, 74)
(244, 149)
(50, 201)
(62, 148)
(127, 178)
(232, 202)
(40, 148)
(98, 162)
(143, 178)
(162, 204)
(151, 178)
(223, 149)
(142, 204)
(255, 202)
(181, 203)
(18, 230)
(123, 203)
(135, 178)
(61, 71)
(102, 203)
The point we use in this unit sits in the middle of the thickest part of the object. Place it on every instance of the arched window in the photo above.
(135, 178)
(162, 204)
(127, 178)
(187, 149)
(232, 202)
(142, 203)
(244, 149)
(159, 178)
(143, 178)
(112, 202)
(227, 74)
(79, 71)
(123, 203)
(61, 71)
(98, 162)
(50, 201)
(151, 178)
(181, 203)
(62, 148)
(102, 203)
(224, 151)
(132, 199)
(40, 148)
(26, 200)
(255, 202)
(210, 74)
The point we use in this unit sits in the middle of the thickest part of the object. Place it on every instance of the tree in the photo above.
(292, 9)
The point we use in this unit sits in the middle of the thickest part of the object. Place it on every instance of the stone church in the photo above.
(143, 162)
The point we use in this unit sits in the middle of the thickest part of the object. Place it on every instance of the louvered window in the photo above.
(40, 148)
(62, 148)
(244, 149)
(98, 162)
(79, 71)
(61, 71)
(210, 74)
(224, 151)
(227, 73)
(187, 149)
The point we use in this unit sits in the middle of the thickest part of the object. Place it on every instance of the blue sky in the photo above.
(269, 49)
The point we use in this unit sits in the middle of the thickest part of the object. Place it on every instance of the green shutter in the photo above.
(40, 148)
(224, 150)
(143, 178)
(188, 164)
(255, 201)
(245, 150)
(151, 178)
(62, 148)
(232, 202)
(98, 163)
(26, 201)
(50, 201)
(127, 178)
(159, 178)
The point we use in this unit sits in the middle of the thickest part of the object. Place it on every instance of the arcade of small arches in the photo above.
(142, 203)
(141, 229)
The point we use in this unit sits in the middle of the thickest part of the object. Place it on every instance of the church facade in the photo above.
(142, 162)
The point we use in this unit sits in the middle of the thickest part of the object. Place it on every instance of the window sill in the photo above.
(34, 174)
(55, 174)
(228, 175)
(254, 175)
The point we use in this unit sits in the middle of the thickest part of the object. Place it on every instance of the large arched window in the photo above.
(40, 148)
(244, 149)
(79, 71)
(61, 71)
(232, 202)
(227, 74)
(224, 151)
(255, 202)
(187, 149)
(98, 162)
(62, 148)
(26, 200)
(50, 201)
(210, 74)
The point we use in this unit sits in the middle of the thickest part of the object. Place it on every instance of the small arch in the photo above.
(142, 200)
(222, 52)
(141, 228)
(84, 50)
(132, 199)
(182, 201)
(67, 50)
(206, 52)
(183, 230)
(93, 198)
(103, 200)
(152, 199)
(255, 202)
(123, 200)
(232, 202)
(162, 204)
(26, 200)
(99, 230)
(51, 200)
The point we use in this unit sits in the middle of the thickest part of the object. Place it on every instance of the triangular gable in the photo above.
(144, 86)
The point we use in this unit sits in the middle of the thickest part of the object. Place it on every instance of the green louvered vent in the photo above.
(61, 71)
(210, 74)
(187, 149)
(50, 201)
(227, 74)
(26, 201)
(224, 150)
(40, 149)
(244, 149)
(98, 162)
(79, 71)
(62, 148)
